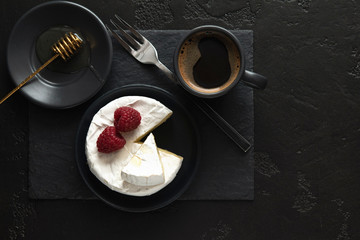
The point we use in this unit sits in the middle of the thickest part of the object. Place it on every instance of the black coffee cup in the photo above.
(209, 61)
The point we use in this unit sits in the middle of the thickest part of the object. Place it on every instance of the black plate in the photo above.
(54, 89)
(178, 134)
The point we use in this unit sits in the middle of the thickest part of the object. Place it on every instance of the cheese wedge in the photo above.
(145, 167)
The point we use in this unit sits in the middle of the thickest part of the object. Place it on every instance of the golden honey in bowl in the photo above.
(44, 51)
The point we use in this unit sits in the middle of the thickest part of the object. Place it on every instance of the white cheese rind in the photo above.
(107, 166)
(107, 170)
(152, 114)
(145, 167)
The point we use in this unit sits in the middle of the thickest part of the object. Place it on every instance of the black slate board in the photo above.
(225, 171)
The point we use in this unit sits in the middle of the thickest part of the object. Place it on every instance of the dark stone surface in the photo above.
(225, 172)
(306, 130)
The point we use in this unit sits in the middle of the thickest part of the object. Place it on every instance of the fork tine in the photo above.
(134, 43)
(136, 33)
(121, 41)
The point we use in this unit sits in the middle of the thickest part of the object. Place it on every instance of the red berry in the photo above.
(110, 140)
(126, 119)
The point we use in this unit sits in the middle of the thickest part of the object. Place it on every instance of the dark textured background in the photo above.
(307, 130)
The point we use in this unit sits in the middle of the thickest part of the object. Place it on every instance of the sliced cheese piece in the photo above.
(145, 167)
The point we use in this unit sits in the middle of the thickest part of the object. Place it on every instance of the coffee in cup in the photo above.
(209, 61)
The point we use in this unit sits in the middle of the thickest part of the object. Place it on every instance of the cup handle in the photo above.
(254, 80)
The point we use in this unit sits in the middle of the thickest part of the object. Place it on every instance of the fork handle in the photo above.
(167, 72)
(231, 132)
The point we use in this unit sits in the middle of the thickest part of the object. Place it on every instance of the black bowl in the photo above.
(178, 134)
(54, 89)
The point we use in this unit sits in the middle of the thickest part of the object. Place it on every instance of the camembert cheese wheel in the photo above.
(108, 167)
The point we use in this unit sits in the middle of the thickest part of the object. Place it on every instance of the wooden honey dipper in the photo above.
(66, 47)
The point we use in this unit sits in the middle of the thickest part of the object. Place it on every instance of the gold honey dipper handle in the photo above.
(66, 47)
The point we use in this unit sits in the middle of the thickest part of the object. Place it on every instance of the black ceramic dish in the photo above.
(178, 134)
(54, 89)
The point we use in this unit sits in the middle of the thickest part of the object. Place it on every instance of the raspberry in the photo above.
(126, 119)
(110, 140)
